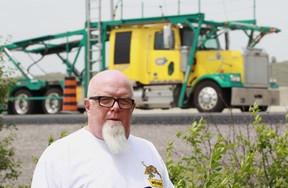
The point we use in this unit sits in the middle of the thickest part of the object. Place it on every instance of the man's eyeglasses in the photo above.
(108, 102)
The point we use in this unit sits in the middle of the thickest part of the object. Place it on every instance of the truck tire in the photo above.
(52, 106)
(22, 106)
(208, 97)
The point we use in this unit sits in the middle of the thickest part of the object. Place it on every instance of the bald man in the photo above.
(103, 153)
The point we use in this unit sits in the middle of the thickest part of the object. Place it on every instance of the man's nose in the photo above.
(116, 105)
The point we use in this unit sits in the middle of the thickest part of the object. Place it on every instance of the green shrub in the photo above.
(258, 158)
(6, 82)
(8, 164)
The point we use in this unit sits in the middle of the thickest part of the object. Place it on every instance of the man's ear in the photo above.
(87, 104)
(134, 105)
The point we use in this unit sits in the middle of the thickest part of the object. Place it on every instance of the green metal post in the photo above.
(69, 71)
(103, 39)
(86, 62)
(181, 101)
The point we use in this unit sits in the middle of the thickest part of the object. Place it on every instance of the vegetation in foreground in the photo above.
(9, 166)
(258, 158)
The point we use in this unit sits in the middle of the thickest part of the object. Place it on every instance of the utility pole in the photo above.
(112, 10)
(121, 9)
(142, 9)
(178, 7)
(254, 9)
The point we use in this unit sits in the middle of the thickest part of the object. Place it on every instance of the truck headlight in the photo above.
(273, 80)
(273, 83)
(235, 78)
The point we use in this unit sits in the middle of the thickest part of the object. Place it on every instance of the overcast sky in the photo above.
(23, 19)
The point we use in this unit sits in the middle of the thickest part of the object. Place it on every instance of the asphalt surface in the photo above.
(162, 117)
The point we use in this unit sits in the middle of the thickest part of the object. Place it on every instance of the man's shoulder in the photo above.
(68, 139)
(61, 145)
(138, 140)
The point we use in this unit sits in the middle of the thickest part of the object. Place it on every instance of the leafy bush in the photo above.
(6, 81)
(8, 165)
(258, 158)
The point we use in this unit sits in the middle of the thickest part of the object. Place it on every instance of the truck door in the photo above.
(164, 62)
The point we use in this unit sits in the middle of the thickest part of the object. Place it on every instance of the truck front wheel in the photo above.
(21, 106)
(208, 97)
(50, 105)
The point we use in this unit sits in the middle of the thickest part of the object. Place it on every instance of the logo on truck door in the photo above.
(161, 61)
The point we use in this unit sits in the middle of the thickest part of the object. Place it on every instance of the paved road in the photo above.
(175, 116)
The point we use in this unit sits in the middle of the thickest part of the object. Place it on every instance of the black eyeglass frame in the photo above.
(98, 98)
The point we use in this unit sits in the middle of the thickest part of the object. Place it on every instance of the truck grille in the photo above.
(256, 68)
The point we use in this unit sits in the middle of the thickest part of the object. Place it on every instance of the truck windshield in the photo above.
(208, 43)
(204, 42)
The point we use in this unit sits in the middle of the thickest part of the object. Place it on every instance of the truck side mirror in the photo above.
(227, 42)
(273, 59)
(167, 36)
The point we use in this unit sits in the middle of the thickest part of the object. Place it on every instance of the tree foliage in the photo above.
(6, 82)
(256, 159)
(8, 164)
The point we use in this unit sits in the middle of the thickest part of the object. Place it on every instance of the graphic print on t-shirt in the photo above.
(154, 177)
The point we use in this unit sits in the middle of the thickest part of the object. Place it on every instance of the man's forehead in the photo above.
(113, 90)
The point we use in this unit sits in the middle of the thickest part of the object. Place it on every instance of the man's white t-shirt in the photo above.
(82, 160)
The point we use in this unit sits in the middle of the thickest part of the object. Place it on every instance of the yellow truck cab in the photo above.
(155, 57)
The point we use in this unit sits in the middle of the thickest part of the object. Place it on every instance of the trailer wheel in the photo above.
(208, 97)
(22, 106)
(52, 106)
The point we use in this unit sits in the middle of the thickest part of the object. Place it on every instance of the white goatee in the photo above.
(114, 136)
